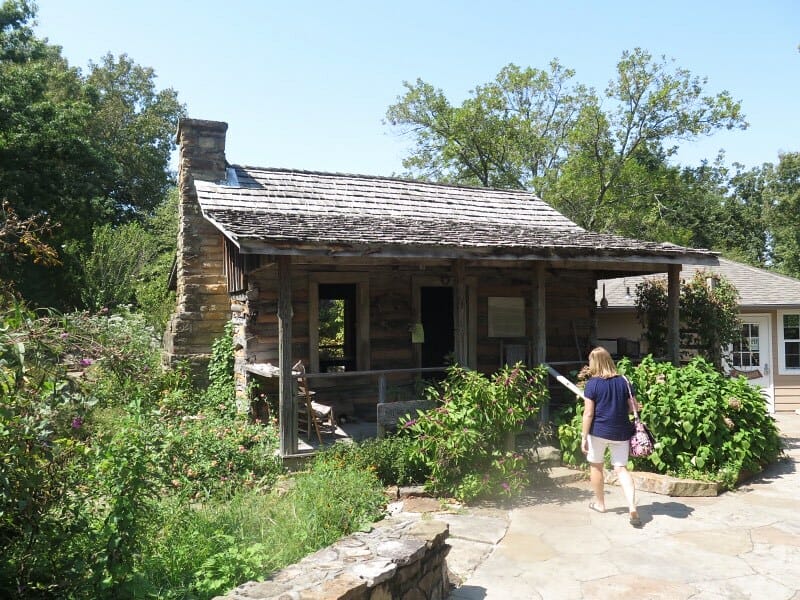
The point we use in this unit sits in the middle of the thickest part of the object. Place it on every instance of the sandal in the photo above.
(596, 507)
(635, 521)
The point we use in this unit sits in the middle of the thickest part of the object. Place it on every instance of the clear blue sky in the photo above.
(306, 85)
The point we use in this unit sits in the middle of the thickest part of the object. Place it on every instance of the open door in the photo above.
(437, 316)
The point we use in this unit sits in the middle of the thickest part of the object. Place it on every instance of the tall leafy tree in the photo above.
(741, 227)
(649, 108)
(598, 161)
(79, 150)
(783, 213)
(134, 126)
(511, 133)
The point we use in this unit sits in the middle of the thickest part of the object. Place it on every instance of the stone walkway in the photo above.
(741, 544)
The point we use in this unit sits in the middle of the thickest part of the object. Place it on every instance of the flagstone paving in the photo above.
(740, 544)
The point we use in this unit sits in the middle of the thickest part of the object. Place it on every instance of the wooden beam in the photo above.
(286, 404)
(461, 347)
(539, 326)
(673, 316)
(539, 322)
(362, 328)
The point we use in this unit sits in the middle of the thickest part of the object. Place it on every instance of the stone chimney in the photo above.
(202, 302)
(202, 149)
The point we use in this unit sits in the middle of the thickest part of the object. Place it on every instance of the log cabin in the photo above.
(418, 274)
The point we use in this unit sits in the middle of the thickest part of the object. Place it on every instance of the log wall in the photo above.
(569, 312)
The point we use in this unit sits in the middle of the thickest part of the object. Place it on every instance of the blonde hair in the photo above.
(601, 364)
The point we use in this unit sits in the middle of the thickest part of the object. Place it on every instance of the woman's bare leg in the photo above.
(628, 487)
(597, 480)
(626, 481)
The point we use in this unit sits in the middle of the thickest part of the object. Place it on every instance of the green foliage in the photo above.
(600, 161)
(85, 150)
(98, 445)
(568, 422)
(458, 442)
(332, 326)
(709, 315)
(783, 212)
(115, 263)
(706, 425)
(221, 390)
(205, 550)
(153, 296)
(390, 459)
(651, 310)
(510, 134)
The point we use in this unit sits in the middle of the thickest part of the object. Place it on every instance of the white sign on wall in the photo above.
(506, 317)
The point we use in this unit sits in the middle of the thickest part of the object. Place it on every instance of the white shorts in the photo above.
(597, 450)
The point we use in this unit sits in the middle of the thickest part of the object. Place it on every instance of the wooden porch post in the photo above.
(461, 348)
(288, 414)
(539, 322)
(673, 316)
(539, 349)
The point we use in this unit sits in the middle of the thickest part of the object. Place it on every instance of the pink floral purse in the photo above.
(642, 440)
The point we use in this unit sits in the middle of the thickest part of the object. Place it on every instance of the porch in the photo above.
(397, 392)
(394, 400)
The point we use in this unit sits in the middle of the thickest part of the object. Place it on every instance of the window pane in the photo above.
(792, 355)
(791, 327)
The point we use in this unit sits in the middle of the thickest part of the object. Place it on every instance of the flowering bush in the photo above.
(99, 445)
(707, 426)
(458, 441)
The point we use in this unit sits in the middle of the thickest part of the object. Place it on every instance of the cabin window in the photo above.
(789, 342)
(338, 322)
(337, 327)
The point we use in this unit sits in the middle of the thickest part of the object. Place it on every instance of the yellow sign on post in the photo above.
(417, 334)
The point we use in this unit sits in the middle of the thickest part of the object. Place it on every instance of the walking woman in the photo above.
(606, 424)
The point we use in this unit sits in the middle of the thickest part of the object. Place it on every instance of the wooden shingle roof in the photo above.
(757, 288)
(279, 210)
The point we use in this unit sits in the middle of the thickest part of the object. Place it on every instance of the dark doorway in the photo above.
(436, 307)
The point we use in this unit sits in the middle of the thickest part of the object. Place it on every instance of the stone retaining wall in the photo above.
(398, 559)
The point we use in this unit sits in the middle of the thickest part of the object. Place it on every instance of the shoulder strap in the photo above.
(631, 399)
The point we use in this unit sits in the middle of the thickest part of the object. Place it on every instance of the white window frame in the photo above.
(782, 368)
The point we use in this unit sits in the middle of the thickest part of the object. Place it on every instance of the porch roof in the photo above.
(275, 211)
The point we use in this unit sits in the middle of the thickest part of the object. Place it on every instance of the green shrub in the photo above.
(459, 442)
(207, 549)
(98, 445)
(390, 459)
(706, 425)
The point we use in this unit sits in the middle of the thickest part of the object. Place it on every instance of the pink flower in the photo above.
(85, 362)
(77, 422)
